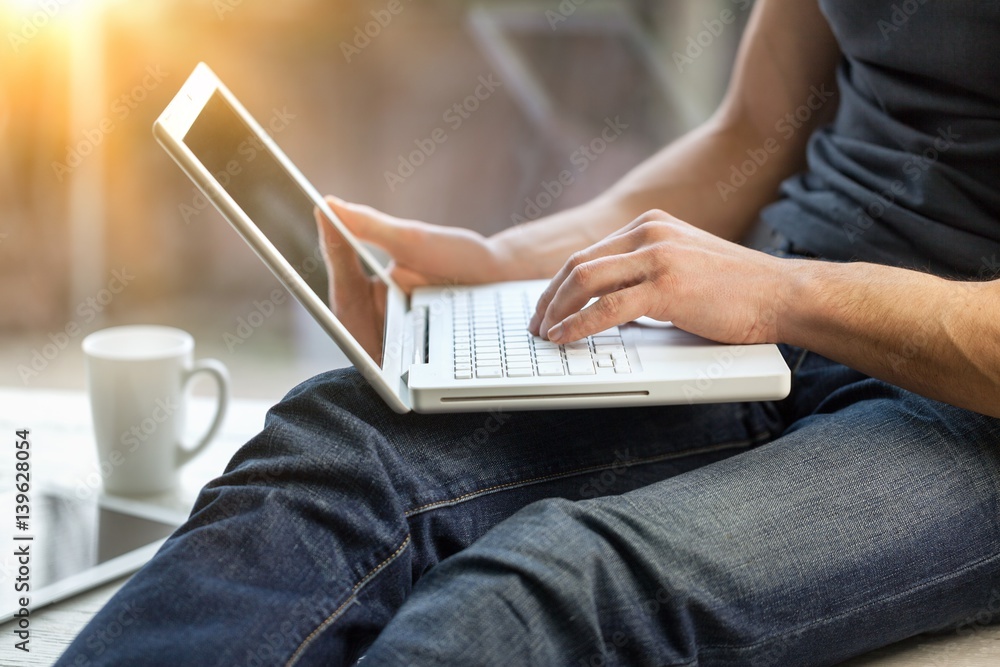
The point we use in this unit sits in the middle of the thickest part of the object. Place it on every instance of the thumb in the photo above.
(400, 238)
(346, 276)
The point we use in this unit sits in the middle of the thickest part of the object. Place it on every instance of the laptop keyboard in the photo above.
(492, 341)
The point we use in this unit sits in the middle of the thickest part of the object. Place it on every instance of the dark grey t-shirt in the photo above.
(909, 172)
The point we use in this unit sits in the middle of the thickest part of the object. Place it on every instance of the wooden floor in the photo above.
(64, 449)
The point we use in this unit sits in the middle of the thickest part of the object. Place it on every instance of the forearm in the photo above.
(682, 179)
(692, 179)
(718, 176)
(935, 337)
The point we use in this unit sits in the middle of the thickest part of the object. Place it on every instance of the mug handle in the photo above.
(221, 375)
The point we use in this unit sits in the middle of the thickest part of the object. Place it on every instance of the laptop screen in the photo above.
(249, 172)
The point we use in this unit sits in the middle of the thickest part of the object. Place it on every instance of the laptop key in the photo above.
(550, 369)
(463, 375)
(489, 372)
(581, 368)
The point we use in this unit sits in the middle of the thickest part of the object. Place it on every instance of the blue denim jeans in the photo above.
(802, 532)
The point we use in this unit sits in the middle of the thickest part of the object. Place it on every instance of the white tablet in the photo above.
(199, 127)
(71, 545)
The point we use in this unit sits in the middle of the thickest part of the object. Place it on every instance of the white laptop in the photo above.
(451, 348)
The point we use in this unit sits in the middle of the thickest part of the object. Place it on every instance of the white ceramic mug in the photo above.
(137, 378)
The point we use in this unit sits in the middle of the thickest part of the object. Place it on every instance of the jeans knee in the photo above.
(536, 550)
(524, 593)
(322, 430)
(327, 397)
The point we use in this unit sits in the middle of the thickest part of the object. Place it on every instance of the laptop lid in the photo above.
(244, 173)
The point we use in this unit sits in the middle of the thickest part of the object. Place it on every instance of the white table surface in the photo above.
(63, 452)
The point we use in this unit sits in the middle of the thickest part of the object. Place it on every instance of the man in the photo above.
(857, 512)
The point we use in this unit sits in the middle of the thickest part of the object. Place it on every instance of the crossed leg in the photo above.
(873, 519)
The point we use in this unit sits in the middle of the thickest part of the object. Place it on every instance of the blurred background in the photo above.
(98, 227)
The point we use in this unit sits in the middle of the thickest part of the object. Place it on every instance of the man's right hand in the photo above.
(422, 254)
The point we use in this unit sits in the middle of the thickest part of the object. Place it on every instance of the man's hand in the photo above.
(357, 300)
(661, 267)
(422, 254)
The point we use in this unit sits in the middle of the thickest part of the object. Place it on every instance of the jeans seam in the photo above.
(737, 444)
(329, 620)
(819, 623)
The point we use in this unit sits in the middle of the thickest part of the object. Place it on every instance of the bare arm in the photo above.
(787, 53)
(787, 61)
(936, 337)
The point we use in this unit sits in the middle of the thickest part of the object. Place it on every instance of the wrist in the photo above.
(800, 300)
(507, 255)
(539, 248)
